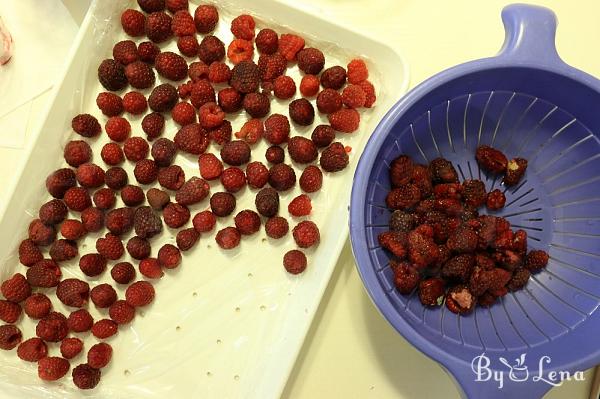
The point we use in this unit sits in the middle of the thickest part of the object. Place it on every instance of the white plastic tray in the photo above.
(224, 324)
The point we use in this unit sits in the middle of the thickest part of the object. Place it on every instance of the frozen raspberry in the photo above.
(201, 92)
(125, 52)
(146, 223)
(163, 98)
(219, 72)
(59, 181)
(183, 24)
(442, 171)
(80, 321)
(230, 100)
(302, 150)
(140, 75)
(138, 247)
(121, 312)
(192, 139)
(192, 191)
(247, 222)
(210, 166)
(77, 152)
(176, 215)
(460, 300)
(473, 193)
(171, 66)
(333, 78)
(110, 246)
(171, 177)
(37, 306)
(311, 179)
(406, 277)
(205, 18)
(9, 311)
(306, 234)
(257, 105)
(103, 329)
(72, 229)
(228, 238)
(519, 243)
(431, 291)
(70, 347)
(282, 177)
(233, 179)
(169, 256)
(150, 268)
(459, 268)
(276, 227)
(52, 212)
(153, 125)
(115, 178)
(267, 202)
(275, 154)
(402, 221)
(62, 250)
(334, 158)
(267, 41)
(85, 376)
(422, 250)
(323, 135)
(329, 101)
(132, 195)
(41, 234)
(89, 175)
(240, 50)
(277, 129)
(117, 128)
(109, 103)
(210, 115)
(86, 125)
(284, 87)
(271, 66)
(222, 204)
(29, 253)
(158, 27)
(32, 350)
(394, 242)
(111, 75)
(157, 199)
(309, 85)
(235, 152)
(183, 113)
(99, 355)
(535, 260)
(243, 26)
(495, 200)
(135, 103)
(491, 159)
(290, 45)
(175, 5)
(92, 264)
(10, 336)
(150, 6)
(354, 96)
(203, 222)
(453, 190)
(133, 22)
(112, 154)
(357, 71)
(52, 328)
(16, 288)
(163, 151)
(519, 279)
(300, 206)
(211, 49)
(145, 171)
(52, 368)
(197, 71)
(187, 238)
(147, 52)
(345, 120)
(302, 112)
(463, 240)
(257, 174)
(294, 261)
(369, 91)
(310, 60)
(123, 273)
(515, 170)
(135, 148)
(140, 293)
(245, 77)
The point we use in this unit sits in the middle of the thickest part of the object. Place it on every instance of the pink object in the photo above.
(6, 49)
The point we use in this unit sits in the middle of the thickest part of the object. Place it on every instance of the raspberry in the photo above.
(300, 206)
(460, 300)
(369, 91)
(271, 66)
(197, 71)
(109, 103)
(163, 98)
(146, 223)
(329, 101)
(80, 321)
(473, 190)
(138, 247)
(169, 256)
(192, 139)
(495, 200)
(111, 75)
(132, 195)
(133, 22)
(422, 251)
(323, 135)
(85, 376)
(201, 93)
(463, 240)
(70, 347)
(112, 154)
(302, 112)
(228, 238)
(290, 45)
(535, 260)
(267, 41)
(282, 177)
(145, 171)
(86, 125)
(302, 150)
(123, 273)
(103, 329)
(176, 5)
(10, 336)
(52, 212)
(406, 277)
(284, 87)
(99, 354)
(52, 368)
(183, 24)
(519, 279)
(333, 78)
(135, 148)
(125, 52)
(157, 199)
(275, 154)
(394, 242)
(211, 49)
(89, 175)
(354, 96)
(257, 105)
(357, 71)
(247, 222)
(9, 311)
(245, 77)
(187, 238)
(37, 306)
(150, 268)
(158, 27)
(59, 181)
(171, 177)
(240, 50)
(277, 227)
(92, 264)
(72, 229)
(294, 261)
(192, 191)
(251, 131)
(491, 159)
(230, 100)
(62, 250)
(311, 179)
(32, 350)
(110, 246)
(140, 75)
(309, 85)
(52, 328)
(171, 66)
(121, 312)
(401, 171)
(175, 215)
(345, 120)
(77, 152)
(233, 179)
(431, 291)
(206, 18)
(140, 293)
(41, 234)
(402, 221)
(519, 243)
(459, 268)
(442, 171)
(306, 234)
(473, 193)
(235, 152)
(210, 166)
(115, 178)
(515, 170)
(257, 174)
(222, 204)
(135, 103)
(163, 151)
(203, 222)
(153, 125)
(334, 158)
(29, 253)
(147, 52)
(210, 115)
(150, 6)
(310, 60)
(267, 202)
(117, 128)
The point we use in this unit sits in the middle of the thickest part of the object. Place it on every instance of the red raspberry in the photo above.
(163, 98)
(104, 198)
(183, 24)
(535, 260)
(404, 197)
(240, 50)
(300, 206)
(271, 66)
(247, 222)
(29, 253)
(222, 204)
(116, 178)
(333, 78)
(284, 87)
(77, 152)
(344, 120)
(205, 18)
(92, 264)
(125, 52)
(463, 240)
(235, 152)
(228, 238)
(147, 52)
(112, 154)
(243, 26)
(132, 195)
(135, 103)
(233, 179)
(86, 125)
(311, 179)
(187, 238)
(37, 306)
(230, 100)
(203, 222)
(460, 300)
(422, 250)
(251, 131)
(72, 229)
(85, 376)
(59, 181)
(41, 234)
(62, 250)
(442, 171)
(197, 71)
(109, 103)
(9, 311)
(157, 199)
(495, 200)
(277, 227)
(309, 85)
(267, 41)
(183, 113)
(80, 321)
(282, 177)
(89, 175)
(150, 268)
(267, 202)
(52, 328)
(245, 77)
(211, 49)
(394, 242)
(133, 22)
(201, 93)
(32, 350)
(52, 368)
(158, 27)
(110, 246)
(92, 219)
(147, 224)
(515, 170)
(175, 215)
(302, 112)
(192, 191)
(459, 268)
(323, 135)
(103, 329)
(210, 166)
(135, 148)
(117, 128)
(302, 150)
(145, 171)
(171, 177)
(473, 193)
(123, 272)
(294, 261)
(169, 256)
(52, 212)
(70, 347)
(10, 336)
(257, 174)
(290, 45)
(491, 159)
(431, 291)
(306, 234)
(210, 115)
(140, 75)
(357, 71)
(222, 134)
(369, 91)
(99, 354)
(275, 154)
(192, 139)
(354, 96)
(329, 101)
(310, 60)
(140, 293)
(171, 66)
(257, 105)
(150, 6)
(519, 279)
(175, 5)
(334, 158)
(153, 125)
(406, 277)
(111, 75)
(121, 312)
(138, 248)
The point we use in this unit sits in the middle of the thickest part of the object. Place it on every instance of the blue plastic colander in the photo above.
(527, 102)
